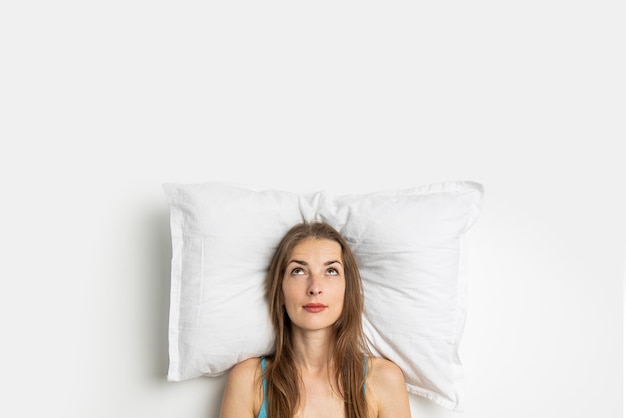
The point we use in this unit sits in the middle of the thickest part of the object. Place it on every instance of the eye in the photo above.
(298, 271)
(332, 271)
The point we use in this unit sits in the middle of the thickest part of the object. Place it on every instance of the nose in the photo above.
(315, 289)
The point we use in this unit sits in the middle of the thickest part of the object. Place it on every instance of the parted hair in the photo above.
(349, 348)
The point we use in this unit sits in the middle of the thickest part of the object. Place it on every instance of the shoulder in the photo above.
(384, 372)
(246, 369)
(245, 376)
(386, 384)
(243, 393)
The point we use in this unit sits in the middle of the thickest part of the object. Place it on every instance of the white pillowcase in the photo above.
(409, 245)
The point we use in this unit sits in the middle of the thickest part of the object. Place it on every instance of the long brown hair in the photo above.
(348, 355)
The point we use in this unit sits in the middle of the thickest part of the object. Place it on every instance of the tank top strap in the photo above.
(263, 411)
(264, 378)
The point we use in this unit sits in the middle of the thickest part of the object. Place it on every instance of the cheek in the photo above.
(340, 292)
(288, 293)
(290, 300)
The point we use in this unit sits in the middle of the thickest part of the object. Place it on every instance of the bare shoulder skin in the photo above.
(243, 393)
(387, 389)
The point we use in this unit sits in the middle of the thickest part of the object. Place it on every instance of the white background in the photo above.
(103, 101)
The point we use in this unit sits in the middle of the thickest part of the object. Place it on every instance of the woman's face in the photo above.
(314, 284)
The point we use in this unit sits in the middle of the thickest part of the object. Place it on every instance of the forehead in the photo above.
(317, 248)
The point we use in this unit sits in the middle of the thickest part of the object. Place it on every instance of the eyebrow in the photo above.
(304, 263)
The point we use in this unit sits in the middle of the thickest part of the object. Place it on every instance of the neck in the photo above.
(312, 349)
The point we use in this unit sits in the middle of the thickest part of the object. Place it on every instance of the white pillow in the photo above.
(409, 245)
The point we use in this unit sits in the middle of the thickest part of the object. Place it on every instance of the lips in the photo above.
(314, 307)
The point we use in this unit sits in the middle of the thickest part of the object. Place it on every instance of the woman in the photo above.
(319, 367)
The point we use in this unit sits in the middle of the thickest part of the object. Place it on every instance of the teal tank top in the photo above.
(263, 411)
